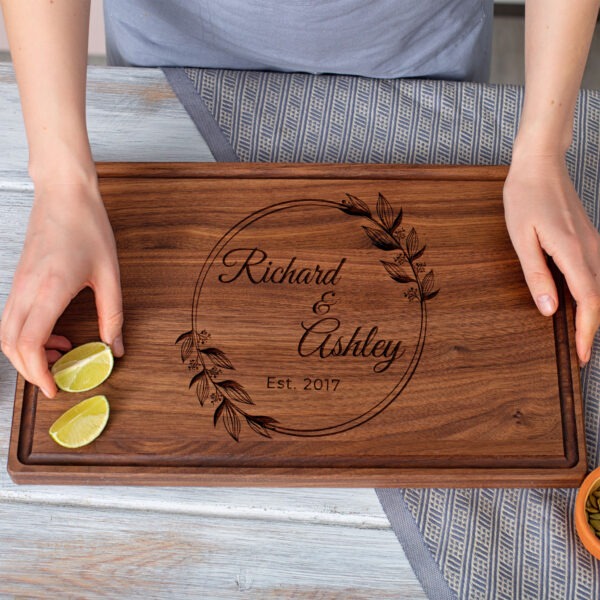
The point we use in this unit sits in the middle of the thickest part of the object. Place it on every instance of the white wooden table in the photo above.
(127, 542)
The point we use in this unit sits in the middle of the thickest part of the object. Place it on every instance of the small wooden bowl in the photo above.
(586, 534)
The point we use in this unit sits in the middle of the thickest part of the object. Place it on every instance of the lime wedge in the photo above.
(83, 368)
(82, 423)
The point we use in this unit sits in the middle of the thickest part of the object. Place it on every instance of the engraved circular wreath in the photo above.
(309, 317)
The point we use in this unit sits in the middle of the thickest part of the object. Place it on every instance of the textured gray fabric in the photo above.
(419, 556)
(446, 39)
(219, 146)
(497, 544)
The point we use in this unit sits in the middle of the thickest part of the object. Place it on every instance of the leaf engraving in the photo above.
(232, 422)
(355, 206)
(197, 377)
(396, 273)
(218, 412)
(187, 348)
(260, 423)
(184, 336)
(258, 427)
(218, 357)
(385, 212)
(397, 222)
(412, 243)
(427, 283)
(381, 239)
(419, 253)
(202, 388)
(235, 391)
(431, 295)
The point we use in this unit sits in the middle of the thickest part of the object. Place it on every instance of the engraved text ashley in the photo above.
(323, 339)
(254, 263)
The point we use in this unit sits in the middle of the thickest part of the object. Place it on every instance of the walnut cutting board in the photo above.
(330, 325)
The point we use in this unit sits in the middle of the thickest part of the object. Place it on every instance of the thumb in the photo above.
(109, 305)
(537, 275)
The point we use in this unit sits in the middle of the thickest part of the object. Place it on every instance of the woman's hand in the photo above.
(69, 245)
(543, 212)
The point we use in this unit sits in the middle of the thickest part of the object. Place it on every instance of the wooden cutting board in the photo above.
(329, 325)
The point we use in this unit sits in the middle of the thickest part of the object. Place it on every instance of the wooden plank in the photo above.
(409, 417)
(94, 553)
(132, 115)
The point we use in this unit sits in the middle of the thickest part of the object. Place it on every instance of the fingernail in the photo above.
(46, 393)
(586, 359)
(117, 346)
(546, 304)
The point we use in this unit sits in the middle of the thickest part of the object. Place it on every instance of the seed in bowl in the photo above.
(592, 508)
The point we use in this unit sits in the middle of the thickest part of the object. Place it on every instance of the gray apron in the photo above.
(441, 39)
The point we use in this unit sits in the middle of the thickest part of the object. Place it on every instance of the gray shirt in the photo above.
(442, 39)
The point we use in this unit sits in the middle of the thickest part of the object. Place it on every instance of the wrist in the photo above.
(62, 164)
(532, 143)
(544, 133)
(536, 165)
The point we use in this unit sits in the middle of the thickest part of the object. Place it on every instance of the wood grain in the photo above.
(199, 170)
(483, 392)
(100, 553)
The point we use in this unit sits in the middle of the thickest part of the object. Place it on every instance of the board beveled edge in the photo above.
(23, 472)
(567, 377)
(291, 478)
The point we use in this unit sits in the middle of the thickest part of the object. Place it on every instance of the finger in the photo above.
(60, 342)
(587, 320)
(57, 342)
(35, 333)
(10, 325)
(52, 356)
(109, 305)
(584, 285)
(537, 274)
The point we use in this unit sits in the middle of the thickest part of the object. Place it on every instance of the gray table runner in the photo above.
(474, 543)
